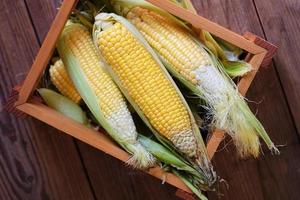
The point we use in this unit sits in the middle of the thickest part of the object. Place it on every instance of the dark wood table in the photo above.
(36, 162)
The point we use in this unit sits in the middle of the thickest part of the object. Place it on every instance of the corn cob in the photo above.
(192, 63)
(60, 78)
(149, 88)
(226, 52)
(139, 73)
(63, 105)
(99, 92)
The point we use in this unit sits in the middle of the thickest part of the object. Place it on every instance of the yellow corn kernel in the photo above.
(99, 92)
(173, 43)
(147, 85)
(110, 99)
(60, 78)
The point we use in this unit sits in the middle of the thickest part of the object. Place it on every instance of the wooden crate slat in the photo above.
(257, 47)
(45, 52)
(91, 137)
(203, 23)
(246, 81)
(271, 48)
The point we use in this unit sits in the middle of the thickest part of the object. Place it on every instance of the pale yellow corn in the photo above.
(110, 99)
(147, 84)
(186, 56)
(60, 78)
(172, 42)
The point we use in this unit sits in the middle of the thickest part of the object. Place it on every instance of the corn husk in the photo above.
(234, 68)
(232, 114)
(202, 161)
(190, 185)
(227, 53)
(140, 158)
(70, 109)
(122, 7)
(64, 105)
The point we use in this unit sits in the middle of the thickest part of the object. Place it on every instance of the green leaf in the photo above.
(190, 185)
(166, 156)
(236, 68)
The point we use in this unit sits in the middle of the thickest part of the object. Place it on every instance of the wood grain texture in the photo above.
(111, 179)
(96, 139)
(270, 177)
(45, 53)
(42, 14)
(281, 24)
(271, 48)
(35, 163)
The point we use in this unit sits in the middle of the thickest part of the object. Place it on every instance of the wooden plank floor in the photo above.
(38, 163)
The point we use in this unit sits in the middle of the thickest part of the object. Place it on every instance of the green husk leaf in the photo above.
(220, 51)
(211, 47)
(81, 83)
(63, 105)
(186, 4)
(233, 66)
(231, 63)
(190, 185)
(202, 161)
(84, 19)
(102, 4)
(236, 68)
(226, 52)
(122, 7)
(236, 51)
(165, 155)
(241, 115)
(249, 124)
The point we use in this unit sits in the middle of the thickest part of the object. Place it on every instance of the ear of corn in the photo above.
(60, 78)
(122, 7)
(63, 105)
(226, 52)
(68, 108)
(146, 84)
(234, 68)
(99, 92)
(200, 71)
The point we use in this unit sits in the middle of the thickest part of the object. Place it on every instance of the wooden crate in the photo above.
(260, 53)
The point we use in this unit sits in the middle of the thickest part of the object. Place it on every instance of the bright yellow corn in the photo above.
(172, 42)
(110, 99)
(185, 56)
(60, 78)
(96, 86)
(147, 84)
